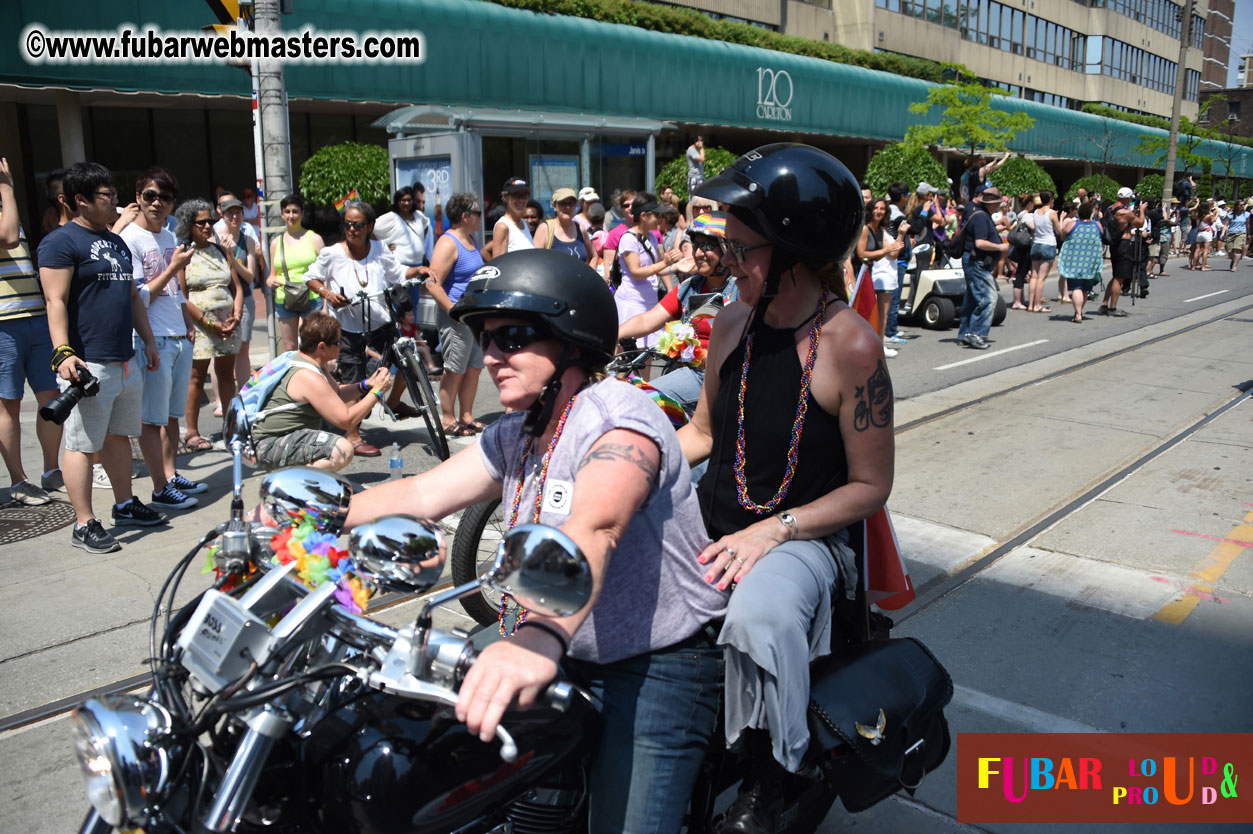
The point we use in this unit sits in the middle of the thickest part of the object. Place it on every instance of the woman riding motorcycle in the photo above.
(795, 419)
(595, 457)
(710, 278)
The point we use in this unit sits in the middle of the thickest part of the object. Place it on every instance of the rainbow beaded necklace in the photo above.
(798, 426)
(539, 500)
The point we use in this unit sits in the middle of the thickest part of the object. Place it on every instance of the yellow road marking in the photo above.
(1212, 567)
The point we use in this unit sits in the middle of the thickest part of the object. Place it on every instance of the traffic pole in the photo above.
(273, 137)
(1172, 149)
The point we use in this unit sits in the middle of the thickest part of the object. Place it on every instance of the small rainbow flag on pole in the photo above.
(343, 201)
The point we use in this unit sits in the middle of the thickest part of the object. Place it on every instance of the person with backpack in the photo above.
(563, 233)
(290, 397)
(1122, 225)
(642, 265)
(981, 246)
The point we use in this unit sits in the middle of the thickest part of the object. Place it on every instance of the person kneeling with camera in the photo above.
(289, 431)
(93, 304)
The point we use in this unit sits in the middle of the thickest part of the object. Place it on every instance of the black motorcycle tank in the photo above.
(387, 765)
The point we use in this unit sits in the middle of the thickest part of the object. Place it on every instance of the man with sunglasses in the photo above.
(93, 306)
(157, 260)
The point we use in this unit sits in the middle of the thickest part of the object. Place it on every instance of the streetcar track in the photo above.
(928, 594)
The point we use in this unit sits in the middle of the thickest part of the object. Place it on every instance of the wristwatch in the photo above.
(789, 521)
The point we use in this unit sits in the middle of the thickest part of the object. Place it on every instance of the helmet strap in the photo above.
(780, 262)
(541, 411)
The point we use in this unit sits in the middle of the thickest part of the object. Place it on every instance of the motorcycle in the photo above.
(276, 706)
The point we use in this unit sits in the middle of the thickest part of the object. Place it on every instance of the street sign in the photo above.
(227, 11)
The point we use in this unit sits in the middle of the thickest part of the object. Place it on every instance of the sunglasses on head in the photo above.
(151, 196)
(354, 225)
(738, 250)
(511, 338)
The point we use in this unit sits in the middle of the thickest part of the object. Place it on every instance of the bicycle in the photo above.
(403, 353)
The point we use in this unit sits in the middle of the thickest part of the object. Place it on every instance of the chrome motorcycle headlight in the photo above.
(118, 739)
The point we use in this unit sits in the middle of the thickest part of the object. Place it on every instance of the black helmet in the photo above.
(799, 198)
(562, 293)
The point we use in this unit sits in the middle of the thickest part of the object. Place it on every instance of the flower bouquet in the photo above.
(678, 341)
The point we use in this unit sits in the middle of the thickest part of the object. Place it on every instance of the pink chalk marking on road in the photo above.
(1214, 538)
(1192, 590)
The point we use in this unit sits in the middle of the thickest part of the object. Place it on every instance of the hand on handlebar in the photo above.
(508, 670)
(335, 299)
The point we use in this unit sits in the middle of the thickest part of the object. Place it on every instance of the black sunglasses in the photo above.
(511, 338)
(354, 225)
(151, 196)
(706, 244)
(205, 222)
(332, 344)
(739, 250)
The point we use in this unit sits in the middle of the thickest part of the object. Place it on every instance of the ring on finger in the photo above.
(740, 559)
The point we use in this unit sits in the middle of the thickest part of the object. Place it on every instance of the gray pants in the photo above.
(779, 621)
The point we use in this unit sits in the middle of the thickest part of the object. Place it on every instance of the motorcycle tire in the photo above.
(474, 550)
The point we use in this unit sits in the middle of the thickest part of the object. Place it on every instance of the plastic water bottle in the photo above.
(395, 464)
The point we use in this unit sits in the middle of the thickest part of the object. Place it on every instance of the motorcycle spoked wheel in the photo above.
(474, 551)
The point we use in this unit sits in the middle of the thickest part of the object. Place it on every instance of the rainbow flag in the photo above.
(346, 199)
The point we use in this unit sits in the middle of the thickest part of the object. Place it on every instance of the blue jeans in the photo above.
(980, 300)
(660, 711)
(894, 307)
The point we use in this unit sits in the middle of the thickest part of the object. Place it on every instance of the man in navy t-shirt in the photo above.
(983, 248)
(93, 305)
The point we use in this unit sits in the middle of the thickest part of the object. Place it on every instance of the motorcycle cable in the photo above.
(153, 654)
(268, 692)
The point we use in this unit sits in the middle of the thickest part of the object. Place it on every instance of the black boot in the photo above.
(756, 808)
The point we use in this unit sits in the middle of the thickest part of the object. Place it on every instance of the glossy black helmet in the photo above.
(799, 198)
(561, 293)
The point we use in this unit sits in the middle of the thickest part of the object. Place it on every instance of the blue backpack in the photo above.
(261, 384)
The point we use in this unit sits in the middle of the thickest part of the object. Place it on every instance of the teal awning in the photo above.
(482, 55)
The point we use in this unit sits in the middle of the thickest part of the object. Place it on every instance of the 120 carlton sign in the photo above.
(774, 95)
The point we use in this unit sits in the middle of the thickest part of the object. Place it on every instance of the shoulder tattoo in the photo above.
(874, 401)
(628, 452)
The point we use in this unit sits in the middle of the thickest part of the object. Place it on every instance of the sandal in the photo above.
(474, 426)
(1018, 307)
(1043, 310)
(1076, 320)
(197, 443)
(457, 429)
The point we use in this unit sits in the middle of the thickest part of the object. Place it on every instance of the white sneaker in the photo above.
(100, 478)
(890, 352)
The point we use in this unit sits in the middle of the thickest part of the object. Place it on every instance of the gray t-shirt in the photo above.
(695, 168)
(654, 592)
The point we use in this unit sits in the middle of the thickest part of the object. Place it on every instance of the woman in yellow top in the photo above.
(292, 254)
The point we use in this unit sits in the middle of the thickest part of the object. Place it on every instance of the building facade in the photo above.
(1120, 53)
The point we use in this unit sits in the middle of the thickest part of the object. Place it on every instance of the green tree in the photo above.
(335, 170)
(967, 118)
(1151, 186)
(674, 172)
(904, 162)
(1095, 184)
(1191, 135)
(1021, 176)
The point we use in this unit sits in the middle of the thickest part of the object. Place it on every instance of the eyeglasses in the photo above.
(107, 192)
(354, 225)
(739, 250)
(151, 196)
(511, 338)
(205, 222)
(566, 204)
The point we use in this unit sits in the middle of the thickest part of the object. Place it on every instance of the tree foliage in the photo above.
(678, 21)
(1191, 135)
(1095, 184)
(1150, 187)
(335, 170)
(674, 172)
(1020, 175)
(967, 118)
(904, 162)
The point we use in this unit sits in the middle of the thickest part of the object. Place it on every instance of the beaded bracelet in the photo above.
(553, 630)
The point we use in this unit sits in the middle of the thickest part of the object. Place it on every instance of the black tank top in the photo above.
(774, 387)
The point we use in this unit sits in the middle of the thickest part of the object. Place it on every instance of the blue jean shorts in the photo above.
(165, 389)
(1043, 252)
(25, 356)
(315, 304)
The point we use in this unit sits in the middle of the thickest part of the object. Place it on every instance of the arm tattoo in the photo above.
(874, 401)
(621, 451)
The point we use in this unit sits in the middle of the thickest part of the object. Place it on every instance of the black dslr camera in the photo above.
(58, 409)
